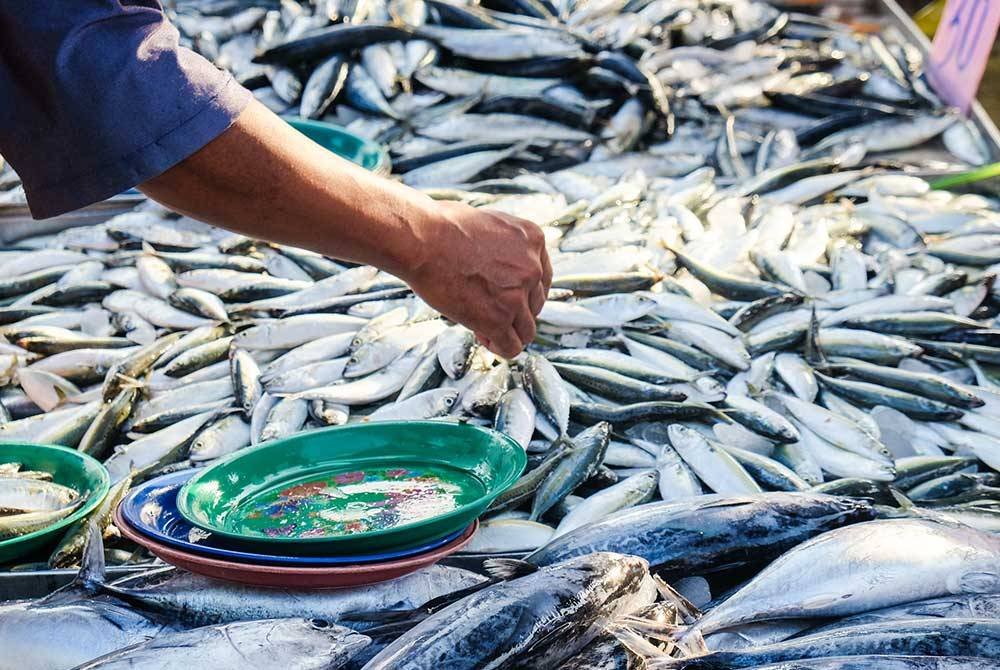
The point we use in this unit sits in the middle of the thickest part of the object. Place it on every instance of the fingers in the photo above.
(536, 300)
(483, 340)
(506, 343)
(524, 326)
(546, 270)
(512, 327)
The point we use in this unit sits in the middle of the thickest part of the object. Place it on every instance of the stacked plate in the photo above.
(338, 507)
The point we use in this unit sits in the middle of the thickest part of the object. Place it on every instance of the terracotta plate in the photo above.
(332, 577)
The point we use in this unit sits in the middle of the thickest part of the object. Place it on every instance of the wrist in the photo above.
(376, 221)
(416, 235)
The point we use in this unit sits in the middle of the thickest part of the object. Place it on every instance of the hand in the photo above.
(486, 270)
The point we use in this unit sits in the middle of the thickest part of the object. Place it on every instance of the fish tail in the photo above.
(638, 644)
(91, 577)
(124, 381)
(687, 610)
(813, 352)
(127, 595)
(688, 640)
(691, 643)
(11, 370)
(385, 618)
(649, 628)
(92, 568)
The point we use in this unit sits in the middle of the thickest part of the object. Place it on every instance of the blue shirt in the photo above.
(96, 96)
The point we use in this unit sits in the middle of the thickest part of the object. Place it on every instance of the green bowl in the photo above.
(69, 468)
(367, 154)
(354, 489)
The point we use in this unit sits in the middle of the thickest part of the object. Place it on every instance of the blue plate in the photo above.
(151, 509)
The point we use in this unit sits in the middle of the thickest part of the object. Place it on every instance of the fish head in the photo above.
(599, 432)
(316, 638)
(620, 580)
(646, 301)
(448, 398)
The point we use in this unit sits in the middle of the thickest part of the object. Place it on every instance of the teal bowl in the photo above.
(354, 489)
(69, 468)
(367, 154)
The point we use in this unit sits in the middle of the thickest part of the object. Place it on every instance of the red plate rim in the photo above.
(417, 561)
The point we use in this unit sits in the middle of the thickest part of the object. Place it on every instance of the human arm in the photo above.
(99, 97)
(486, 270)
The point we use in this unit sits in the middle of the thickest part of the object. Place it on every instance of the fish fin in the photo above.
(813, 354)
(636, 643)
(125, 594)
(656, 630)
(130, 382)
(823, 600)
(731, 501)
(905, 504)
(90, 578)
(564, 443)
(721, 413)
(519, 147)
(890, 512)
(685, 607)
(11, 370)
(979, 582)
(140, 338)
(693, 644)
(656, 272)
(92, 568)
(48, 391)
(385, 619)
(397, 618)
(391, 631)
(220, 412)
(147, 248)
(508, 568)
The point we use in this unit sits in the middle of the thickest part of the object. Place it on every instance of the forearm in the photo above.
(486, 270)
(264, 179)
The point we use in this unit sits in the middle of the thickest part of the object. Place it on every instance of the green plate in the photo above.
(354, 489)
(69, 468)
(367, 154)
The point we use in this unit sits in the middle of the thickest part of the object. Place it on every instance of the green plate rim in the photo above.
(384, 166)
(85, 509)
(185, 492)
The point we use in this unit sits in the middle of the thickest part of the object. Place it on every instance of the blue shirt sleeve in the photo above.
(96, 96)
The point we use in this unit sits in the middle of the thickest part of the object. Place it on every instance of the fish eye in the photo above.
(449, 401)
(319, 624)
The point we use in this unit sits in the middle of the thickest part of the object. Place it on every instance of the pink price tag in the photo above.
(962, 48)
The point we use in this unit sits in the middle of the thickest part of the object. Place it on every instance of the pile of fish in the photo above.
(846, 591)
(763, 343)
(766, 372)
(30, 500)
(463, 91)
